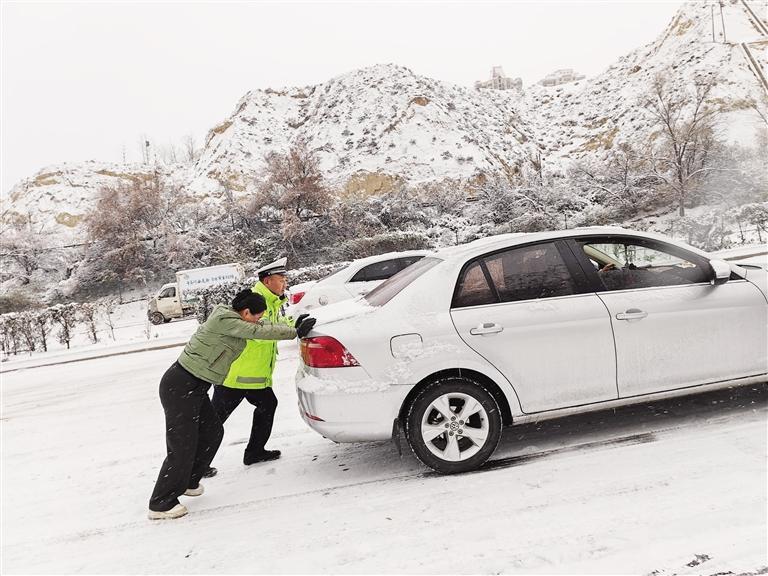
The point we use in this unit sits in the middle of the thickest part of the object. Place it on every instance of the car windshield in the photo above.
(388, 289)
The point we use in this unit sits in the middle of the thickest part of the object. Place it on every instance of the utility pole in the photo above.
(712, 6)
(722, 19)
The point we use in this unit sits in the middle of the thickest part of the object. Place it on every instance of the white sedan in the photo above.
(528, 327)
(356, 279)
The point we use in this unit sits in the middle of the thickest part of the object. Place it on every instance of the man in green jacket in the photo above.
(193, 431)
(250, 376)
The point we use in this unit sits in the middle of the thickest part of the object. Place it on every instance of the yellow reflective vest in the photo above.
(253, 368)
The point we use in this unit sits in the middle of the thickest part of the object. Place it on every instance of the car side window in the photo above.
(525, 273)
(473, 288)
(626, 264)
(530, 273)
(169, 292)
(376, 271)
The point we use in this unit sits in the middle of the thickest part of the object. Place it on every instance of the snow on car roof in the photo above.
(490, 243)
(388, 255)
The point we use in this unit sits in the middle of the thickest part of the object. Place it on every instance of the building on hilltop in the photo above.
(500, 82)
(562, 76)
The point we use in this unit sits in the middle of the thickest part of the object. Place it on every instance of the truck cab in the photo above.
(165, 305)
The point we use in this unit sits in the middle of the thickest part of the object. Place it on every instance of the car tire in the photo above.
(156, 318)
(166, 320)
(439, 436)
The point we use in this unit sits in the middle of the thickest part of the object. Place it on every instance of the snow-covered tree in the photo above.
(21, 251)
(129, 225)
(88, 315)
(622, 183)
(26, 328)
(756, 214)
(294, 184)
(207, 298)
(41, 320)
(107, 306)
(10, 335)
(65, 316)
(684, 120)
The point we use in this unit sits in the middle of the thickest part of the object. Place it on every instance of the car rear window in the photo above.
(388, 289)
(377, 271)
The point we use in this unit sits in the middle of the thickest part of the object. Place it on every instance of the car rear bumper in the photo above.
(344, 405)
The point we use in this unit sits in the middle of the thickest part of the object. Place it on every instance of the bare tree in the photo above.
(9, 333)
(293, 184)
(191, 152)
(622, 183)
(757, 215)
(168, 154)
(108, 307)
(87, 313)
(26, 329)
(42, 324)
(23, 248)
(130, 218)
(685, 122)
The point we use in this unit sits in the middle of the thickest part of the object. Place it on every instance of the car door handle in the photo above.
(486, 328)
(631, 314)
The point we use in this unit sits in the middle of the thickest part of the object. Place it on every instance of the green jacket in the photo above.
(253, 368)
(222, 338)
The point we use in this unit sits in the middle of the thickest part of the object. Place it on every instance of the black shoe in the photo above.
(210, 473)
(264, 456)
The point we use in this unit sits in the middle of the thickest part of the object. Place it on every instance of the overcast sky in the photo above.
(85, 81)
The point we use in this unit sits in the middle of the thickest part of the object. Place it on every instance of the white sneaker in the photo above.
(176, 512)
(195, 491)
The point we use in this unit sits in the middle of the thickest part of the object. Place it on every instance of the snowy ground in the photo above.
(674, 488)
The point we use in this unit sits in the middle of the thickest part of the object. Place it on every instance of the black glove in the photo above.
(299, 320)
(306, 325)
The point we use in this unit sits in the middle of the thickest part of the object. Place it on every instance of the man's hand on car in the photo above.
(303, 328)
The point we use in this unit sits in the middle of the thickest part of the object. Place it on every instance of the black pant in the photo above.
(264, 402)
(193, 434)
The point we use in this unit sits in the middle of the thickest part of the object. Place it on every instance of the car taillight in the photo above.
(326, 352)
(295, 298)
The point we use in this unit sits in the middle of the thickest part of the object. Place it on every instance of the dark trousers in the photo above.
(264, 403)
(193, 434)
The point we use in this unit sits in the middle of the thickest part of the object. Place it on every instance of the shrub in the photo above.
(381, 244)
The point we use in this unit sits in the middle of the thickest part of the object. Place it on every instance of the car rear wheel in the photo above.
(453, 425)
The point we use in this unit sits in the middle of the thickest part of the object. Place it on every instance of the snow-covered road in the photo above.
(674, 487)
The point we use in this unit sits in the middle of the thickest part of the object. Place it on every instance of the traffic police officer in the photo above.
(250, 376)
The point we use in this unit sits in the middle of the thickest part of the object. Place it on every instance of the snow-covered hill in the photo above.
(373, 126)
(384, 119)
(55, 200)
(591, 116)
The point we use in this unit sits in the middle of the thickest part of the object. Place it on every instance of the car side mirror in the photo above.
(721, 271)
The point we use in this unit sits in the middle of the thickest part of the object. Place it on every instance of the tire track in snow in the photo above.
(489, 466)
(705, 405)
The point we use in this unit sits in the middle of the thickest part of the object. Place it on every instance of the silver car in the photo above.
(528, 327)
